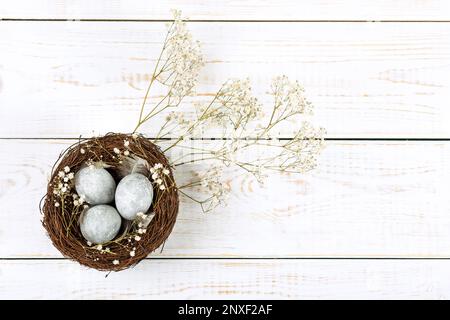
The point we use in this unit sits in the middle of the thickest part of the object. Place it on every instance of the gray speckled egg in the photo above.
(134, 194)
(100, 223)
(96, 185)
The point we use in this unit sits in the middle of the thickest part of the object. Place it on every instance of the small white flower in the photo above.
(158, 166)
(99, 247)
(132, 253)
(76, 203)
(85, 206)
(152, 170)
(63, 189)
(74, 196)
(126, 143)
(66, 179)
(89, 243)
(162, 187)
(137, 238)
(71, 175)
(140, 214)
(66, 169)
(140, 231)
(57, 204)
(134, 135)
(82, 151)
(61, 174)
(55, 191)
(155, 176)
(166, 171)
(116, 262)
(126, 153)
(116, 151)
(159, 181)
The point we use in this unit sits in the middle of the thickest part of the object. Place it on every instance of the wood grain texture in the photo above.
(229, 279)
(372, 199)
(61, 79)
(290, 10)
(365, 199)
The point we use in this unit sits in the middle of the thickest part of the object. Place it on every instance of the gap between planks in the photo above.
(222, 20)
(223, 139)
(244, 258)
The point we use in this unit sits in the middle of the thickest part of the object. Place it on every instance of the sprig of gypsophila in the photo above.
(232, 109)
(211, 182)
(176, 69)
(249, 137)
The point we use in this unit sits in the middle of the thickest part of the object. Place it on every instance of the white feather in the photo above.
(134, 164)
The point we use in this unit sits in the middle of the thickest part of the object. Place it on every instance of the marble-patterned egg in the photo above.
(100, 223)
(134, 194)
(96, 185)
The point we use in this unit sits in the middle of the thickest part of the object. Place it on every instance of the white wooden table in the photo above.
(372, 221)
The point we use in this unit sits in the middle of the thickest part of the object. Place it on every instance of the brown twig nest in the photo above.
(61, 215)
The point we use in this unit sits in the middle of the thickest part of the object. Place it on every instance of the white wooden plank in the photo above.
(365, 199)
(228, 9)
(229, 279)
(63, 79)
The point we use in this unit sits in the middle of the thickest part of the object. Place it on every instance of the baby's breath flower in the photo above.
(89, 243)
(126, 143)
(182, 61)
(126, 153)
(137, 238)
(239, 114)
(66, 169)
(57, 204)
(99, 247)
(61, 174)
(132, 253)
(116, 151)
(71, 175)
(116, 262)
(82, 151)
